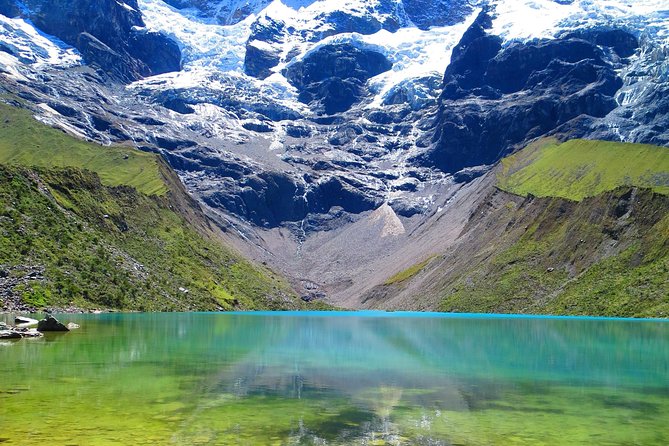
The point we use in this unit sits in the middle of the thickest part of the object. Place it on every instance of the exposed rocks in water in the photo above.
(25, 320)
(50, 323)
(10, 332)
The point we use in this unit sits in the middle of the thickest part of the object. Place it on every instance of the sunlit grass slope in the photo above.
(26, 142)
(581, 168)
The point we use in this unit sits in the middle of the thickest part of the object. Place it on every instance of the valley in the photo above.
(357, 155)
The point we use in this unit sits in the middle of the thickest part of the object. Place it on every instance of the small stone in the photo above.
(72, 326)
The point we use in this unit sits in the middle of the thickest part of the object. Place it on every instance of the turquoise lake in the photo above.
(337, 379)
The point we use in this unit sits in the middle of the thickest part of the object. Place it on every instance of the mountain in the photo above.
(84, 226)
(568, 228)
(330, 136)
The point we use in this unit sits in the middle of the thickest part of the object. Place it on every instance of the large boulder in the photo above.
(50, 323)
(10, 334)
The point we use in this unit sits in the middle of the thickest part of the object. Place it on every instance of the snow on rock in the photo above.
(202, 44)
(415, 53)
(528, 19)
(21, 43)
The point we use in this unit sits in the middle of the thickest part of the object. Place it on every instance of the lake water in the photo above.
(337, 379)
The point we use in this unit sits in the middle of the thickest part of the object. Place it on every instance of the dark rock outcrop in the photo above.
(159, 53)
(50, 323)
(226, 13)
(332, 78)
(262, 47)
(8, 8)
(620, 41)
(269, 199)
(495, 98)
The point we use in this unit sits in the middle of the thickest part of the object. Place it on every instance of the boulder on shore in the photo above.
(50, 323)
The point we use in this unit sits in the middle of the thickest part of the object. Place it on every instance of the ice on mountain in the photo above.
(27, 45)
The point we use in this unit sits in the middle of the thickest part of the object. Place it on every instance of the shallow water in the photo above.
(337, 379)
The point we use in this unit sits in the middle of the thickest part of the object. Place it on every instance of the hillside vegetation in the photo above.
(26, 142)
(76, 231)
(581, 168)
(579, 228)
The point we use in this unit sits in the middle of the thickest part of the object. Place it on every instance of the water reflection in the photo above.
(347, 379)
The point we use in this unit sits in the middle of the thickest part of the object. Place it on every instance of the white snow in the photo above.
(415, 53)
(528, 19)
(202, 44)
(31, 47)
(213, 54)
(126, 6)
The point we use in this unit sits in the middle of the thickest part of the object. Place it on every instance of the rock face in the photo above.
(226, 12)
(427, 13)
(495, 98)
(50, 323)
(332, 78)
(263, 47)
(107, 34)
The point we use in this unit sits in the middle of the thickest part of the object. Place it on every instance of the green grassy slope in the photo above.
(26, 142)
(99, 242)
(580, 168)
(585, 258)
(579, 228)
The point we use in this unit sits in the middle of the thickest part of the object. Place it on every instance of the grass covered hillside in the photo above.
(581, 168)
(93, 226)
(579, 228)
(27, 142)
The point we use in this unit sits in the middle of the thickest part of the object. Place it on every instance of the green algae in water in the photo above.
(337, 379)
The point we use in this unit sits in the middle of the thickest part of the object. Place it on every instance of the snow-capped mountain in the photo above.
(297, 117)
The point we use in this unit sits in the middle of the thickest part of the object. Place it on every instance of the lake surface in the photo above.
(337, 379)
